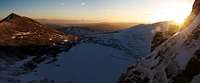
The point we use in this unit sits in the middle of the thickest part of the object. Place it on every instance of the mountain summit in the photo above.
(11, 16)
(18, 30)
(177, 60)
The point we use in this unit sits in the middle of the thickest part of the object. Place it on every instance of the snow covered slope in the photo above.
(175, 61)
(84, 63)
(131, 41)
(135, 41)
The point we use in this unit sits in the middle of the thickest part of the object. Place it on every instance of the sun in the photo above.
(175, 12)
(179, 19)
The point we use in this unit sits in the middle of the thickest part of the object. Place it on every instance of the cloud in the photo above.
(83, 4)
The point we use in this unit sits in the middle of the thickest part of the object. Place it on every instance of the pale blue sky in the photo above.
(102, 10)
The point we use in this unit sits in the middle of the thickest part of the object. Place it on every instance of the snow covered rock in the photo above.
(174, 61)
(168, 30)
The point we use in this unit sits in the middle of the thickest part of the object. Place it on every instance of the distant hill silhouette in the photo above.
(18, 30)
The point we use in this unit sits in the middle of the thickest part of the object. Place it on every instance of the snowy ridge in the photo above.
(175, 61)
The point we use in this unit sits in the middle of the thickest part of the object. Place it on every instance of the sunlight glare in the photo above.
(177, 13)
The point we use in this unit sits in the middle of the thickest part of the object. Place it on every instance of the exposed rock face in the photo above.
(16, 30)
(174, 61)
(193, 14)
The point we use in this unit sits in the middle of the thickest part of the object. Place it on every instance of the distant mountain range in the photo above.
(93, 25)
(64, 22)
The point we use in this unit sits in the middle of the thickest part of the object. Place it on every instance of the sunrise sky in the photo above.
(100, 10)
